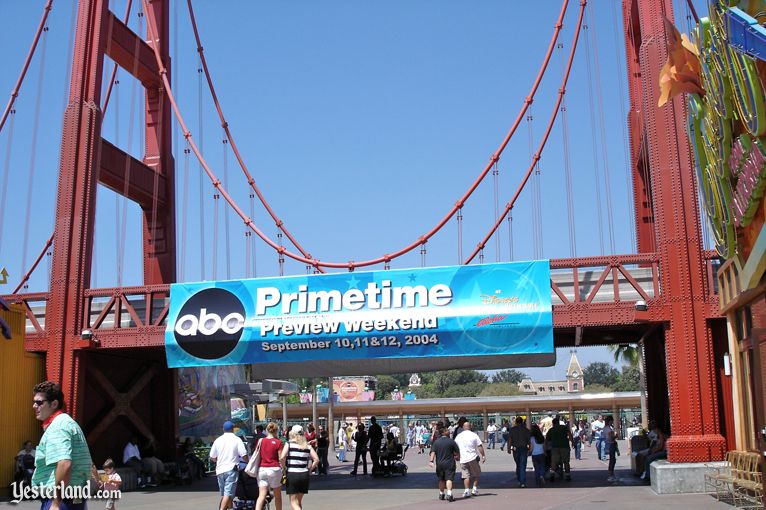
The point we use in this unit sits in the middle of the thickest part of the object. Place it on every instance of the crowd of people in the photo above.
(275, 458)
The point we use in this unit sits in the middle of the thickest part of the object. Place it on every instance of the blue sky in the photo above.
(362, 122)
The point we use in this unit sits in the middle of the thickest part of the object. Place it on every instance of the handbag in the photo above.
(254, 463)
(284, 478)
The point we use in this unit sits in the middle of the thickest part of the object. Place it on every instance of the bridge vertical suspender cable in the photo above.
(127, 167)
(510, 236)
(6, 173)
(602, 129)
(621, 73)
(184, 214)
(567, 165)
(119, 241)
(216, 196)
(174, 129)
(495, 197)
(459, 235)
(156, 186)
(115, 67)
(225, 144)
(533, 197)
(201, 183)
(250, 240)
(33, 150)
(594, 143)
(537, 214)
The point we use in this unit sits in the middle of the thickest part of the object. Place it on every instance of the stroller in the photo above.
(395, 461)
(247, 493)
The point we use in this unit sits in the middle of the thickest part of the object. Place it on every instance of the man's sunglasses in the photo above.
(38, 403)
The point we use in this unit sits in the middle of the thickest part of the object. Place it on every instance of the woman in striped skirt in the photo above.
(299, 459)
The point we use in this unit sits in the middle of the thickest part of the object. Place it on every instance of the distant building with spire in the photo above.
(574, 382)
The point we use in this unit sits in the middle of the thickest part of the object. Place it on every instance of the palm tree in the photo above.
(633, 355)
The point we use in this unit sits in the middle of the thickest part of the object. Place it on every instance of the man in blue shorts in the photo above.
(444, 452)
(226, 453)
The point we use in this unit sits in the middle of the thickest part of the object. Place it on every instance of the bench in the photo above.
(739, 479)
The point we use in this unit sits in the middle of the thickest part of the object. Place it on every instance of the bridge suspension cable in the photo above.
(33, 150)
(31, 270)
(562, 90)
(15, 92)
(385, 258)
(227, 132)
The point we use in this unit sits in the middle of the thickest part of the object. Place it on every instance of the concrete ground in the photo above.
(498, 489)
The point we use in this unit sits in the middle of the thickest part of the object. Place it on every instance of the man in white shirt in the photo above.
(491, 432)
(395, 431)
(471, 450)
(226, 452)
(131, 457)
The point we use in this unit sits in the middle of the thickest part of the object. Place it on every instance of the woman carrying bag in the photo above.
(299, 459)
(266, 467)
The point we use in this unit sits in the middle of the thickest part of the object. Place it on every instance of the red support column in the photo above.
(159, 220)
(642, 205)
(152, 186)
(76, 203)
(690, 370)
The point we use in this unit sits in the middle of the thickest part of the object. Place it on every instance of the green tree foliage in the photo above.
(500, 389)
(600, 373)
(629, 379)
(470, 389)
(508, 376)
(445, 383)
(386, 384)
(597, 388)
(625, 353)
(442, 381)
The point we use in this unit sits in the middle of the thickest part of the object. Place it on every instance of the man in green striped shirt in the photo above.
(62, 460)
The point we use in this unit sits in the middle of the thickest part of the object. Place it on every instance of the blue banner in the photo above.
(367, 322)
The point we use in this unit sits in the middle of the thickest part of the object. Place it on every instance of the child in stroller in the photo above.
(247, 493)
(25, 464)
(392, 457)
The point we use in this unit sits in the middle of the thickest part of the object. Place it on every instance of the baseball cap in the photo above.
(297, 429)
(228, 426)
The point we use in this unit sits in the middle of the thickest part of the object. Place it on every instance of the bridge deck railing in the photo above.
(579, 281)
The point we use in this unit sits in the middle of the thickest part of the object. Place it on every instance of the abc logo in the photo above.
(210, 323)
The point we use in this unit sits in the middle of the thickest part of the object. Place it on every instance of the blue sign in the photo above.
(479, 316)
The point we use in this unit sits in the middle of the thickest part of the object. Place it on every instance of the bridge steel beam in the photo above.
(688, 338)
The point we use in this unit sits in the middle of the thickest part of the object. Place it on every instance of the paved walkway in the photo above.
(497, 490)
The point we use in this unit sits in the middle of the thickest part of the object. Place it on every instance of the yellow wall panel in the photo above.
(19, 372)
